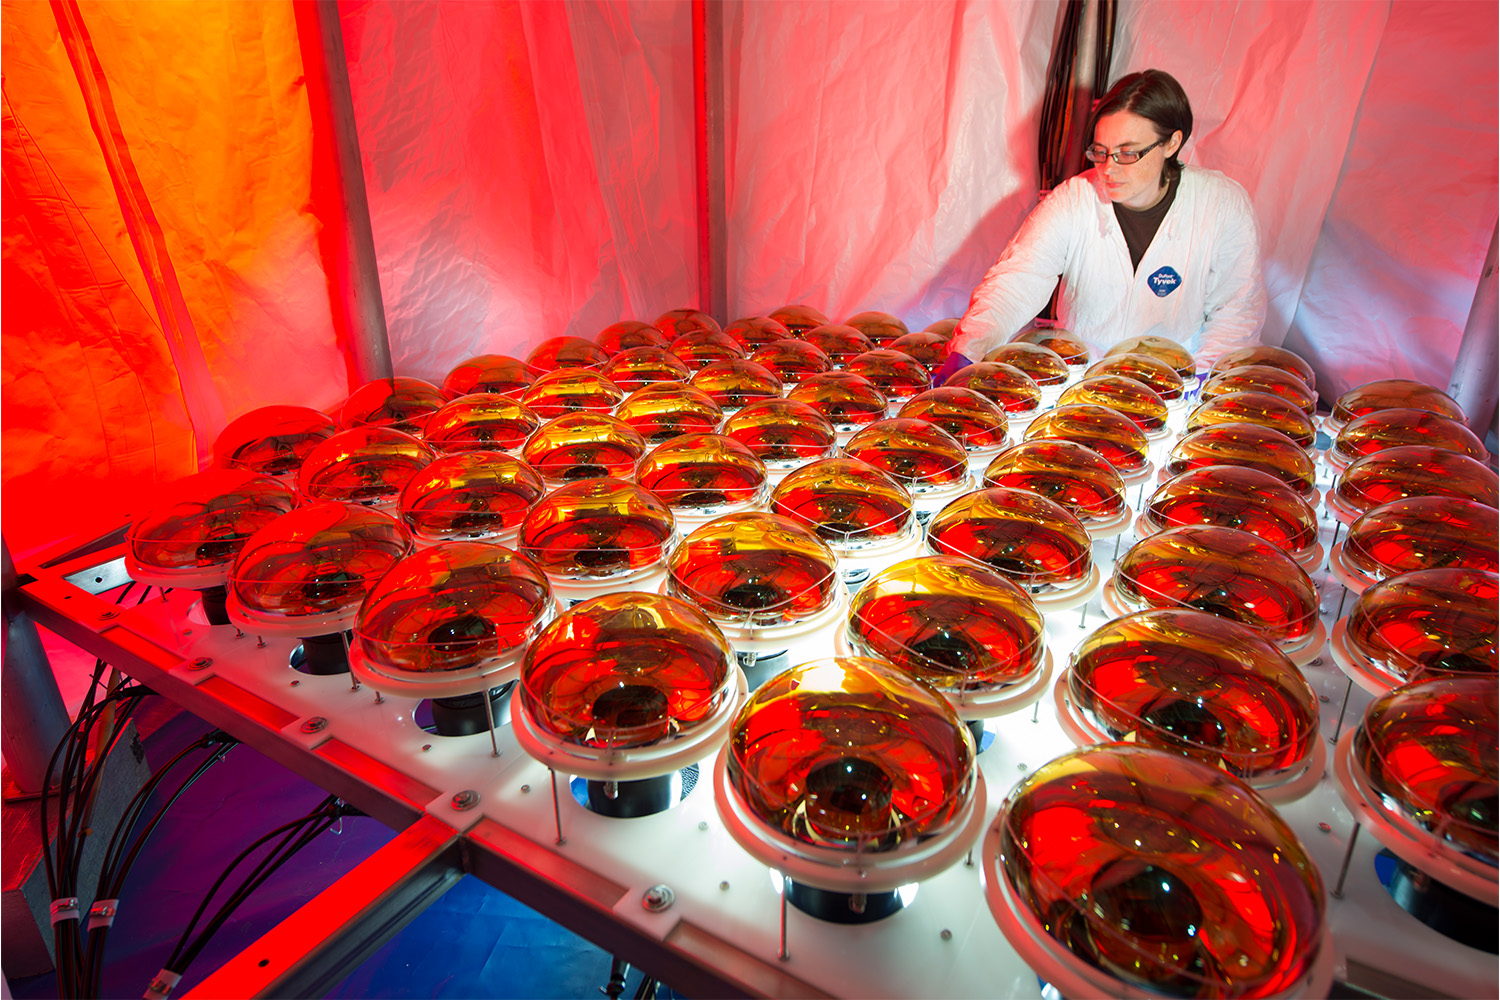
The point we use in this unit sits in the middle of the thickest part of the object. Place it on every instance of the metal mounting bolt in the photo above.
(295, 683)
(315, 725)
(525, 788)
(1323, 698)
(723, 886)
(1317, 662)
(1020, 767)
(946, 934)
(703, 824)
(1324, 828)
(200, 663)
(105, 616)
(426, 747)
(658, 897)
(466, 799)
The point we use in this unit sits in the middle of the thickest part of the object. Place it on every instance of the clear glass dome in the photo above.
(1393, 428)
(851, 754)
(635, 367)
(483, 421)
(318, 560)
(849, 401)
(1263, 378)
(799, 319)
(1134, 399)
(1165, 873)
(783, 433)
(1160, 377)
(628, 333)
(572, 390)
(757, 331)
(675, 322)
(666, 409)
(792, 360)
(565, 352)
(454, 606)
(1046, 367)
(1272, 357)
(700, 348)
(1424, 533)
(919, 455)
(1429, 622)
(733, 384)
(272, 440)
(880, 327)
(366, 465)
(1414, 470)
(1168, 352)
(1248, 445)
(928, 349)
(1107, 431)
(949, 622)
(1255, 408)
(1069, 474)
(944, 327)
(1428, 750)
(1199, 685)
(841, 343)
(1225, 572)
(494, 373)
(845, 502)
(475, 494)
(201, 522)
(971, 417)
(1234, 496)
(755, 569)
(1391, 394)
(1006, 386)
(597, 529)
(584, 446)
(1024, 537)
(400, 403)
(1064, 343)
(701, 473)
(627, 670)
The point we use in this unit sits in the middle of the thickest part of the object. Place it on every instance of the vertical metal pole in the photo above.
(35, 718)
(356, 277)
(1473, 384)
(708, 116)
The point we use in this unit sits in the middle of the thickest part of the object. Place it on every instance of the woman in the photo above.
(1142, 244)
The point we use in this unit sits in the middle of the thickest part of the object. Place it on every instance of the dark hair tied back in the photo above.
(1156, 97)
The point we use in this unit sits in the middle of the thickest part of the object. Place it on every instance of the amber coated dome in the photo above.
(638, 366)
(798, 319)
(1004, 385)
(675, 322)
(1065, 472)
(733, 384)
(1109, 432)
(597, 529)
(792, 360)
(1045, 367)
(1414, 470)
(1261, 408)
(1127, 396)
(703, 347)
(1064, 343)
(565, 352)
(1390, 394)
(272, 440)
(1165, 350)
(666, 409)
(572, 390)
(1263, 378)
(841, 343)
(1025, 537)
(584, 446)
(928, 349)
(474, 494)
(1265, 354)
(628, 333)
(754, 568)
(366, 465)
(1392, 428)
(880, 327)
(1234, 496)
(897, 375)
(1429, 621)
(849, 401)
(201, 522)
(400, 403)
(783, 433)
(844, 501)
(1424, 533)
(757, 331)
(496, 373)
(918, 454)
(1161, 377)
(1250, 445)
(702, 472)
(969, 416)
(482, 421)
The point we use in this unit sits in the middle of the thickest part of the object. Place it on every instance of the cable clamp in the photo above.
(102, 913)
(65, 908)
(161, 987)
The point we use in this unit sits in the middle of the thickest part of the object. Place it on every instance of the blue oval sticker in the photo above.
(1163, 281)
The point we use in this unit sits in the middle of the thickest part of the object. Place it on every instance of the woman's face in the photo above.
(1134, 185)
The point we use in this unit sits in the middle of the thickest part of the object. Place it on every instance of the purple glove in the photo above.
(954, 363)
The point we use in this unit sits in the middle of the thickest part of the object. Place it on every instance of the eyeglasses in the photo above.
(1098, 154)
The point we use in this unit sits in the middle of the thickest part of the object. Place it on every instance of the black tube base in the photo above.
(464, 715)
(214, 599)
(1447, 911)
(843, 907)
(323, 655)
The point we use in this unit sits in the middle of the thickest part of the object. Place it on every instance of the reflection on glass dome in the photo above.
(317, 560)
(755, 569)
(1064, 343)
(929, 349)
(487, 373)
(482, 421)
(1234, 496)
(1255, 408)
(1022, 536)
(675, 322)
(454, 606)
(799, 319)
(1157, 375)
(1249, 445)
(596, 530)
(202, 521)
(792, 360)
(839, 342)
(1199, 685)
(667, 409)
(1392, 428)
(572, 390)
(700, 348)
(1390, 394)
(919, 455)
(272, 440)
(400, 403)
(1414, 470)
(1134, 399)
(972, 418)
(1107, 431)
(1429, 622)
(367, 465)
(880, 327)
(1225, 572)
(1428, 750)
(949, 622)
(1263, 378)
(757, 331)
(639, 366)
(849, 401)
(475, 494)
(851, 754)
(1045, 367)
(783, 433)
(898, 376)
(584, 446)
(1167, 874)
(698, 472)
(844, 501)
(1065, 472)
(733, 384)
(628, 333)
(1271, 357)
(943, 327)
(1004, 385)
(1168, 352)
(565, 352)
(1424, 533)
(627, 670)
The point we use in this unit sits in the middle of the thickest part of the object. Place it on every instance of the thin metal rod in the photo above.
(708, 116)
(1338, 890)
(1473, 385)
(556, 809)
(344, 640)
(786, 890)
(1342, 598)
(489, 713)
(1339, 728)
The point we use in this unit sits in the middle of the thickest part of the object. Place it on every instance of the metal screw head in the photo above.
(426, 747)
(1317, 662)
(200, 663)
(295, 683)
(658, 898)
(723, 885)
(946, 934)
(525, 788)
(1324, 828)
(314, 725)
(466, 799)
(1020, 767)
(703, 824)
(1323, 698)
(105, 616)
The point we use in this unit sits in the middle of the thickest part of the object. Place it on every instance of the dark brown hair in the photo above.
(1156, 97)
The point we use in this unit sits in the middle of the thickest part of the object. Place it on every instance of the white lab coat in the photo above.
(1215, 303)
